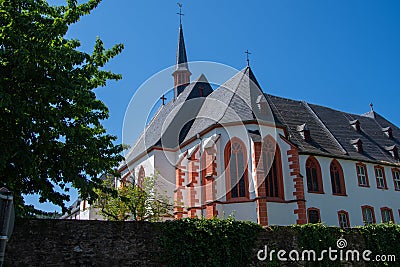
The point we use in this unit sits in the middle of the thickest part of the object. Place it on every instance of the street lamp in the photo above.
(6, 220)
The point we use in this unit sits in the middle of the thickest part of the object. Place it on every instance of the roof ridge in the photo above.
(323, 125)
(146, 128)
(233, 93)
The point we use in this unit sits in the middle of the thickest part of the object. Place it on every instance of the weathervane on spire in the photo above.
(247, 57)
(371, 106)
(180, 12)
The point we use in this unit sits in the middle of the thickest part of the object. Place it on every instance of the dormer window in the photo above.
(393, 150)
(357, 144)
(388, 131)
(356, 125)
(262, 104)
(304, 132)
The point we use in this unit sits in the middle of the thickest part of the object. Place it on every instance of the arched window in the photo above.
(314, 177)
(272, 165)
(236, 169)
(141, 176)
(337, 179)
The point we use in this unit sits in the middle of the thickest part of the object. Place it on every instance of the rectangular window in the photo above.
(387, 215)
(396, 179)
(368, 215)
(362, 175)
(380, 177)
(343, 219)
(313, 216)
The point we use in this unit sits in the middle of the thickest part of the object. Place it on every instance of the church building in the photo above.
(237, 150)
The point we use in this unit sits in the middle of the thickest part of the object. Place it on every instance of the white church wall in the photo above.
(240, 211)
(146, 161)
(281, 213)
(164, 166)
(357, 196)
(287, 178)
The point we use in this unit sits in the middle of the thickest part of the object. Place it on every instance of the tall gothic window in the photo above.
(314, 177)
(141, 176)
(236, 169)
(272, 165)
(337, 179)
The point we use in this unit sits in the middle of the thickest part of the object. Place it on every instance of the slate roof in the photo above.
(238, 100)
(234, 101)
(175, 116)
(371, 135)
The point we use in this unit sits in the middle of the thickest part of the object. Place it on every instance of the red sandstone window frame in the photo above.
(342, 185)
(227, 157)
(309, 164)
(278, 167)
(390, 214)
(141, 175)
(372, 212)
(346, 214)
(364, 166)
(313, 209)
(383, 177)
(394, 170)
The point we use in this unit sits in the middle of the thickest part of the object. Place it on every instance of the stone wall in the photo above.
(101, 243)
(83, 243)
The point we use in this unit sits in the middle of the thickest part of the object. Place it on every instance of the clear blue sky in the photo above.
(338, 53)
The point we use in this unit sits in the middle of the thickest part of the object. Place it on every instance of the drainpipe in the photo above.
(6, 220)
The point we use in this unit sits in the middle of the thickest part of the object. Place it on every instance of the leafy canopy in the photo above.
(133, 201)
(51, 132)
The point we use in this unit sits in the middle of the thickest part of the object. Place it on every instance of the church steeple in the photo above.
(181, 73)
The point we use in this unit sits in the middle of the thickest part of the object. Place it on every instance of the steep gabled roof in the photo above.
(234, 101)
(172, 119)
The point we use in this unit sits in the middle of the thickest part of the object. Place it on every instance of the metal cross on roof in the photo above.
(247, 57)
(163, 98)
(180, 12)
(371, 106)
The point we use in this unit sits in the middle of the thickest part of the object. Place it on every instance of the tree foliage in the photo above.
(51, 132)
(133, 202)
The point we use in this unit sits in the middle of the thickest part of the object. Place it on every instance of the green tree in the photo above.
(133, 202)
(51, 132)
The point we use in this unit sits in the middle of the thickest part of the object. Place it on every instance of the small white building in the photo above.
(237, 150)
(81, 210)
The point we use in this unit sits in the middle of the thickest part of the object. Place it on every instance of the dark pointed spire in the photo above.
(181, 73)
(181, 58)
